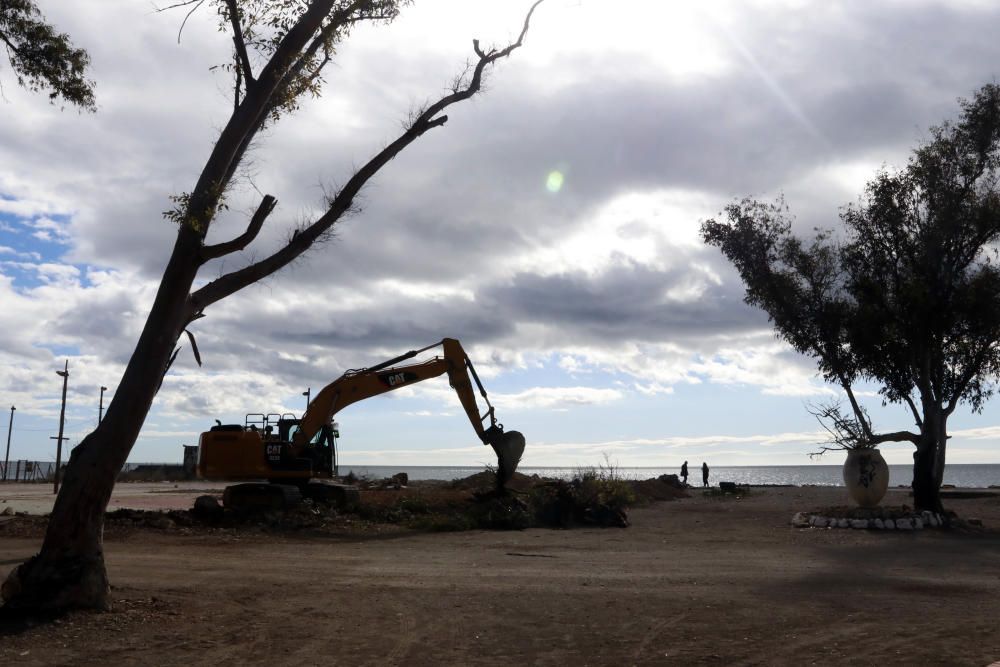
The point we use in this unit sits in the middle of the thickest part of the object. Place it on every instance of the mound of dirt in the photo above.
(487, 480)
(655, 489)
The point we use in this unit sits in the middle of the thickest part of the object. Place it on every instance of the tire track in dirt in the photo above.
(406, 638)
(653, 633)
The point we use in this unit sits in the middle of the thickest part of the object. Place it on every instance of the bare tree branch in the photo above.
(185, 3)
(895, 436)
(913, 409)
(859, 413)
(853, 432)
(475, 83)
(240, 44)
(247, 237)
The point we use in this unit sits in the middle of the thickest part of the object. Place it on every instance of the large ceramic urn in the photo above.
(866, 476)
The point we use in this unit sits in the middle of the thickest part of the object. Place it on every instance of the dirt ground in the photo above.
(704, 580)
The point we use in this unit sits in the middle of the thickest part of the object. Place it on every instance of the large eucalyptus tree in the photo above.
(295, 40)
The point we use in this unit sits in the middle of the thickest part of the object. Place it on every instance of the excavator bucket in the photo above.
(509, 447)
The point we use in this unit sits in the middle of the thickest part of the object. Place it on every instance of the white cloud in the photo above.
(654, 114)
(555, 398)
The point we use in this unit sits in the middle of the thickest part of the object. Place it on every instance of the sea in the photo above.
(962, 475)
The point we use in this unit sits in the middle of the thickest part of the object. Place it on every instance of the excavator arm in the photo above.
(359, 384)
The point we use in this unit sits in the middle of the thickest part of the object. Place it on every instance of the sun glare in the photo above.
(554, 182)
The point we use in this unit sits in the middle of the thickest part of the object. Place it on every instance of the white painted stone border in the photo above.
(916, 522)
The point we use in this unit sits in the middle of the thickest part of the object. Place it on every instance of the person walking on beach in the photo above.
(704, 473)
(684, 473)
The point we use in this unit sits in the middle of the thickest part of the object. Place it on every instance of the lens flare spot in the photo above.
(554, 181)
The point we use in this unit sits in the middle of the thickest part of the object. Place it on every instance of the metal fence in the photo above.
(44, 471)
(28, 471)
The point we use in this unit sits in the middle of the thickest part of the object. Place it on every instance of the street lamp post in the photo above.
(62, 420)
(6, 458)
(100, 408)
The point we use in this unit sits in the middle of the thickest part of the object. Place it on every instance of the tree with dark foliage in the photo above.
(280, 50)
(43, 58)
(908, 298)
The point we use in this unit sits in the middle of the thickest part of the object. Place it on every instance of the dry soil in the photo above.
(697, 581)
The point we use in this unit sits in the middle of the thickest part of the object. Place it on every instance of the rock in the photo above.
(843, 523)
(818, 521)
(7, 511)
(800, 520)
(400, 479)
(161, 522)
(207, 507)
(918, 524)
(859, 523)
(904, 524)
(975, 522)
(879, 523)
(890, 524)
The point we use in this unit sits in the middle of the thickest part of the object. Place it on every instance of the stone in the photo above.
(904, 524)
(975, 522)
(207, 507)
(7, 511)
(879, 523)
(859, 523)
(819, 521)
(890, 524)
(842, 523)
(800, 520)
(918, 524)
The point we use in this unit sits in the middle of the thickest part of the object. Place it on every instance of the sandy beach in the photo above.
(702, 580)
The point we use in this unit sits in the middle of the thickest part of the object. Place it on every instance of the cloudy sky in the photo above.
(551, 225)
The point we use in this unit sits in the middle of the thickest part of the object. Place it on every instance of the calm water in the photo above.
(961, 475)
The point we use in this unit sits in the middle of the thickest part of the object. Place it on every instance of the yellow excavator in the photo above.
(291, 454)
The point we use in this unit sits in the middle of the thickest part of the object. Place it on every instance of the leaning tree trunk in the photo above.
(69, 571)
(926, 475)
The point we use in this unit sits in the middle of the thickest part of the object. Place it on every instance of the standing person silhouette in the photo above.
(704, 473)
(684, 473)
